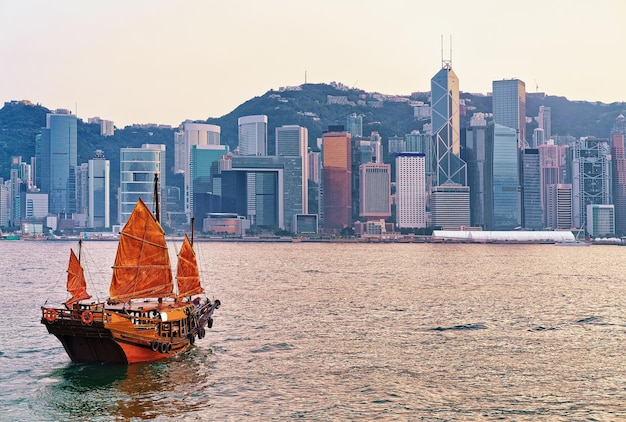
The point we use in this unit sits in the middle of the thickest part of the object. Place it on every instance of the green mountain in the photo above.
(315, 106)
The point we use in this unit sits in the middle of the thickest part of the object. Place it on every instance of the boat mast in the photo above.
(192, 223)
(157, 212)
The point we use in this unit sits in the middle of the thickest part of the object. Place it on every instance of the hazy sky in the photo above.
(140, 61)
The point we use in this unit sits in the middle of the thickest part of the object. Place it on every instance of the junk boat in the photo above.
(144, 319)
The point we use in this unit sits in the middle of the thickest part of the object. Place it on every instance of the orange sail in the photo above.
(187, 274)
(142, 264)
(76, 285)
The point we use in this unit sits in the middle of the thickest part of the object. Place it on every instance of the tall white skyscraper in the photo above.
(253, 135)
(410, 190)
(292, 141)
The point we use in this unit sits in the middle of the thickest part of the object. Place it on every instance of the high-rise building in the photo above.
(531, 190)
(446, 128)
(82, 188)
(336, 190)
(544, 119)
(450, 206)
(137, 169)
(276, 196)
(253, 135)
(600, 220)
(506, 186)
(558, 200)
(375, 192)
(591, 175)
(361, 154)
(36, 205)
(293, 141)
(200, 134)
(314, 159)
(203, 166)
(377, 147)
(618, 156)
(354, 125)
(553, 166)
(5, 218)
(411, 190)
(538, 138)
(479, 155)
(99, 194)
(509, 106)
(57, 161)
(450, 195)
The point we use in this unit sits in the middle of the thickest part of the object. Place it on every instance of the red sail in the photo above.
(76, 285)
(187, 275)
(142, 264)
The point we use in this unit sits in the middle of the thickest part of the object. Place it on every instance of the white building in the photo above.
(410, 190)
(253, 135)
(375, 191)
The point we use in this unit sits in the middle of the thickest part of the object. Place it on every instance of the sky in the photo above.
(156, 61)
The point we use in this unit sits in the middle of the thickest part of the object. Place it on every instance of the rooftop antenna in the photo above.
(446, 63)
(305, 76)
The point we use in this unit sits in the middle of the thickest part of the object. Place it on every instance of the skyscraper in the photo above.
(552, 165)
(591, 175)
(411, 190)
(509, 106)
(506, 186)
(57, 161)
(137, 169)
(544, 119)
(335, 194)
(253, 135)
(293, 141)
(446, 128)
(194, 134)
(531, 189)
(99, 181)
(619, 182)
(450, 194)
(479, 155)
(375, 192)
(354, 125)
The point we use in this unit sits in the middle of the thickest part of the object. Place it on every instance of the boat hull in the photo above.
(105, 336)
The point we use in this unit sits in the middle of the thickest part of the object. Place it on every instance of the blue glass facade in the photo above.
(506, 183)
(446, 129)
(57, 162)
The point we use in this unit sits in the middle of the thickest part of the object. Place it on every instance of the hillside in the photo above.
(306, 105)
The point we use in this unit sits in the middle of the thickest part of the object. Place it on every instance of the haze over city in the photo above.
(164, 62)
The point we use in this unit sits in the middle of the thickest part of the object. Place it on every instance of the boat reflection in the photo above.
(163, 389)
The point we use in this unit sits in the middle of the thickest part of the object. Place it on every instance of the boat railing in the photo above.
(85, 315)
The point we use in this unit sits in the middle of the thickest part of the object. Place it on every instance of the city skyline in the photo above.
(163, 62)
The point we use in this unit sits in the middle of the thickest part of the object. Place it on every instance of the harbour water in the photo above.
(393, 332)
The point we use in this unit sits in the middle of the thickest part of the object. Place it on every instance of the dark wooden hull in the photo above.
(111, 338)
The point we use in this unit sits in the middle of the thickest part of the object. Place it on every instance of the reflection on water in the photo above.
(138, 391)
(348, 332)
